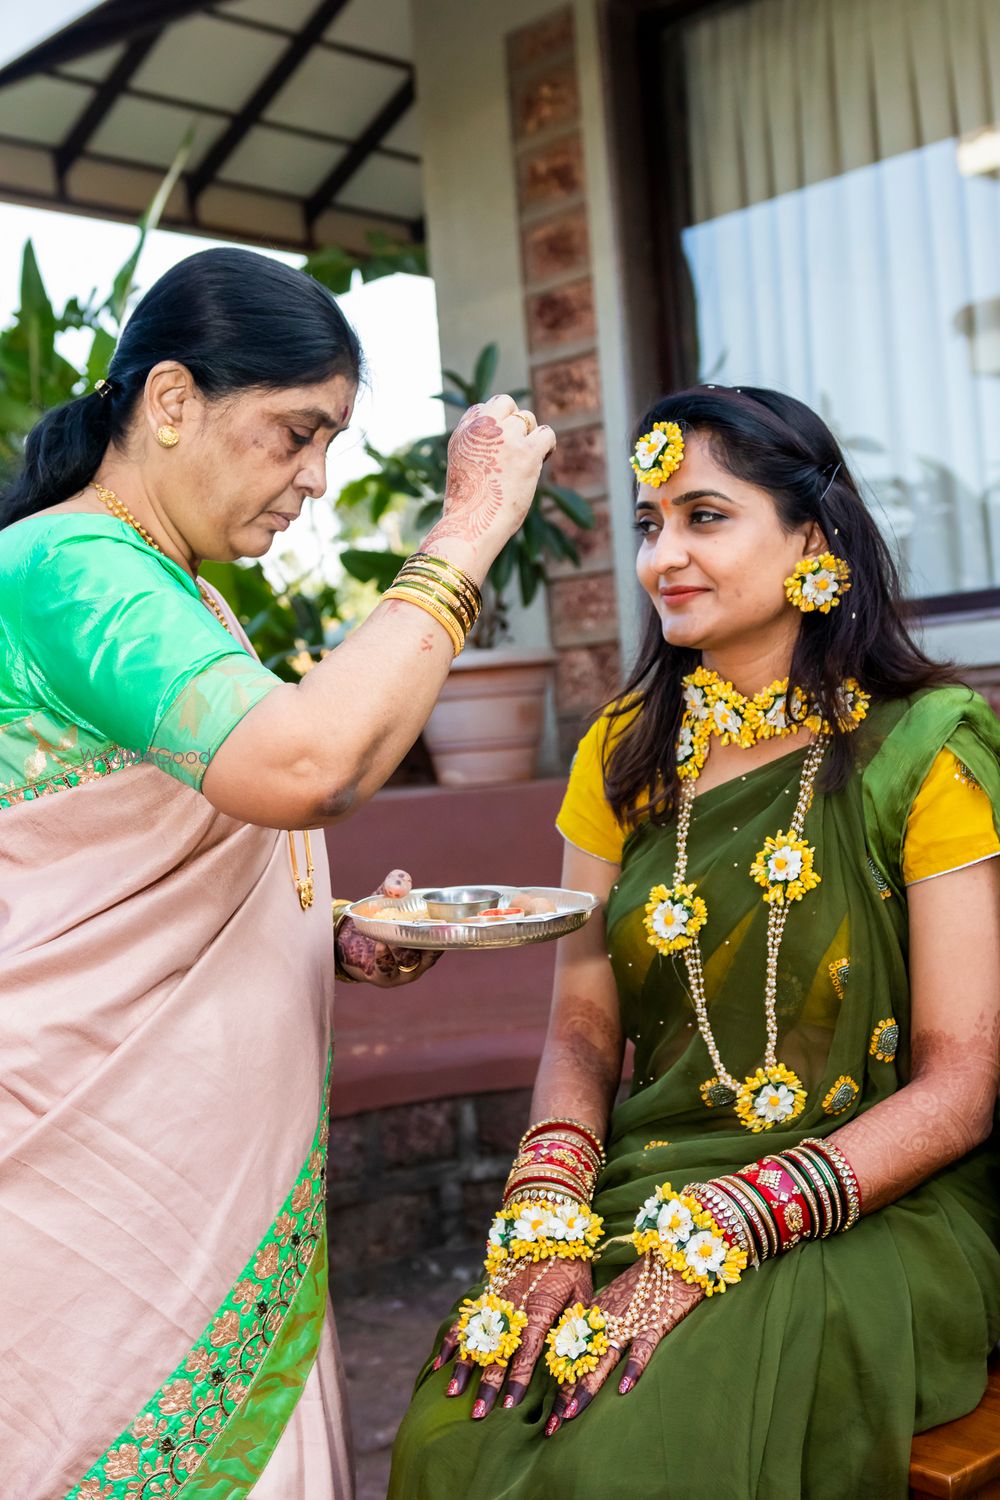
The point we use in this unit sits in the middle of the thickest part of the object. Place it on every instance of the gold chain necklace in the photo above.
(304, 887)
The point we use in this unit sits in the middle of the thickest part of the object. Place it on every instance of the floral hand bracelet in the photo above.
(688, 1239)
(537, 1230)
(576, 1343)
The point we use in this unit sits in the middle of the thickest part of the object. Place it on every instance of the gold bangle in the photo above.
(440, 590)
(436, 611)
(434, 606)
(461, 603)
(455, 572)
(338, 910)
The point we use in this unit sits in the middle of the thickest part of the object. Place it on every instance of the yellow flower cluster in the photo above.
(489, 1329)
(771, 1096)
(576, 1343)
(678, 1228)
(785, 868)
(658, 454)
(547, 1232)
(713, 706)
(817, 583)
(674, 916)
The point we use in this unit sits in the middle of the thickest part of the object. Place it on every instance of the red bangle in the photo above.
(789, 1208)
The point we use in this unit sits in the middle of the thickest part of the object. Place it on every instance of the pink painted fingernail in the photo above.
(453, 1386)
(625, 1385)
(508, 1402)
(571, 1410)
(479, 1410)
(551, 1426)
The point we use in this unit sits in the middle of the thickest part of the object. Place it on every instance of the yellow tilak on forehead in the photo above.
(658, 454)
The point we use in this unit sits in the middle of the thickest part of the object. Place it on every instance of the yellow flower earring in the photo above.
(818, 583)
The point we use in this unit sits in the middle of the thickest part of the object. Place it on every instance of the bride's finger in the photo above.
(639, 1356)
(461, 1377)
(587, 1388)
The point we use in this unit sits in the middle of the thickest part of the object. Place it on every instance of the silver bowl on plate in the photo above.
(459, 901)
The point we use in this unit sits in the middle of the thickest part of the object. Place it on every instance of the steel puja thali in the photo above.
(467, 917)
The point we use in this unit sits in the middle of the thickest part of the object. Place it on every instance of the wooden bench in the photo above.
(961, 1460)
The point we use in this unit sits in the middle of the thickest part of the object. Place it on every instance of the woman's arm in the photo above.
(947, 1107)
(310, 754)
(581, 1063)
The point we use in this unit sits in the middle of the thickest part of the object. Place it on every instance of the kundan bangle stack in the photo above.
(545, 1217)
(442, 591)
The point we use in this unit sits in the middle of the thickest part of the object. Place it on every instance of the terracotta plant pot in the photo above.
(487, 724)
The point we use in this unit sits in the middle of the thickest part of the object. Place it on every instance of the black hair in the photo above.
(234, 318)
(779, 444)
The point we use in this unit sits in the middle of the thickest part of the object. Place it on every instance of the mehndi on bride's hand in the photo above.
(544, 1291)
(617, 1301)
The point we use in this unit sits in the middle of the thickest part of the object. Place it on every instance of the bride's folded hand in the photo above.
(615, 1300)
(564, 1282)
(371, 962)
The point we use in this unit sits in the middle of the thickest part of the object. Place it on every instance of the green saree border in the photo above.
(209, 1430)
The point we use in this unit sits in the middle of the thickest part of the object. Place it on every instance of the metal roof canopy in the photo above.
(304, 113)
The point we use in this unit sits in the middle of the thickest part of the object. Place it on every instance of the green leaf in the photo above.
(572, 504)
(485, 372)
(503, 569)
(101, 350)
(122, 286)
(369, 566)
(530, 576)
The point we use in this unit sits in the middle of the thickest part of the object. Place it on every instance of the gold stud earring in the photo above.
(167, 436)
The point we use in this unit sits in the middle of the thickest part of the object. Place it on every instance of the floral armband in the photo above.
(686, 1235)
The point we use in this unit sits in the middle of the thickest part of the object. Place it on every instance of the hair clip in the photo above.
(103, 388)
(829, 485)
(658, 453)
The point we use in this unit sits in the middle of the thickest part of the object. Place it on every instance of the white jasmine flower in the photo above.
(484, 1330)
(785, 864)
(649, 448)
(674, 1221)
(670, 920)
(775, 1102)
(820, 586)
(705, 1252)
(572, 1339)
(531, 1224)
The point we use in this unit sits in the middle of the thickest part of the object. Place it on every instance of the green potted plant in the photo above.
(487, 724)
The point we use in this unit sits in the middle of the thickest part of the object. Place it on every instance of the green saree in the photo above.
(811, 1376)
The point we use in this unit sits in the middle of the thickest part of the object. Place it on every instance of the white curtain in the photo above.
(839, 252)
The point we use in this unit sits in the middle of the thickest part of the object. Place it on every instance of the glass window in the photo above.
(842, 239)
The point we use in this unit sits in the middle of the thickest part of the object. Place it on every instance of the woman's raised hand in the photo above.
(615, 1299)
(544, 1297)
(372, 962)
(495, 456)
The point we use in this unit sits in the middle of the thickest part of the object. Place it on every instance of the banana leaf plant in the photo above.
(412, 480)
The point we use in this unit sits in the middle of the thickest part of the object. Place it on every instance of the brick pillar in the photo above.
(562, 344)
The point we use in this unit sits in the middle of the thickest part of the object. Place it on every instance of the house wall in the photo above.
(524, 248)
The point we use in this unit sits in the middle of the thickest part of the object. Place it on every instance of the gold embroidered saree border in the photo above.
(170, 1441)
(102, 763)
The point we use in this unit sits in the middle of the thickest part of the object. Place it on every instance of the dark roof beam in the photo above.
(105, 97)
(354, 159)
(266, 91)
(113, 22)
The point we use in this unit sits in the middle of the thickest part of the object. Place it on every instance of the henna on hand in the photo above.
(615, 1299)
(474, 492)
(377, 963)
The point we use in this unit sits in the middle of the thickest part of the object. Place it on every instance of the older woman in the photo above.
(792, 815)
(166, 953)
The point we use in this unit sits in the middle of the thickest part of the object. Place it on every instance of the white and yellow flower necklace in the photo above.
(784, 867)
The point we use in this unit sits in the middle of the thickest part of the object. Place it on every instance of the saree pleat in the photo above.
(810, 1377)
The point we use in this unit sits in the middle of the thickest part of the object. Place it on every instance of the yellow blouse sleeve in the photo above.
(950, 823)
(585, 819)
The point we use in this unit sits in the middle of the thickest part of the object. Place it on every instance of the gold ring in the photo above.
(408, 968)
(528, 429)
